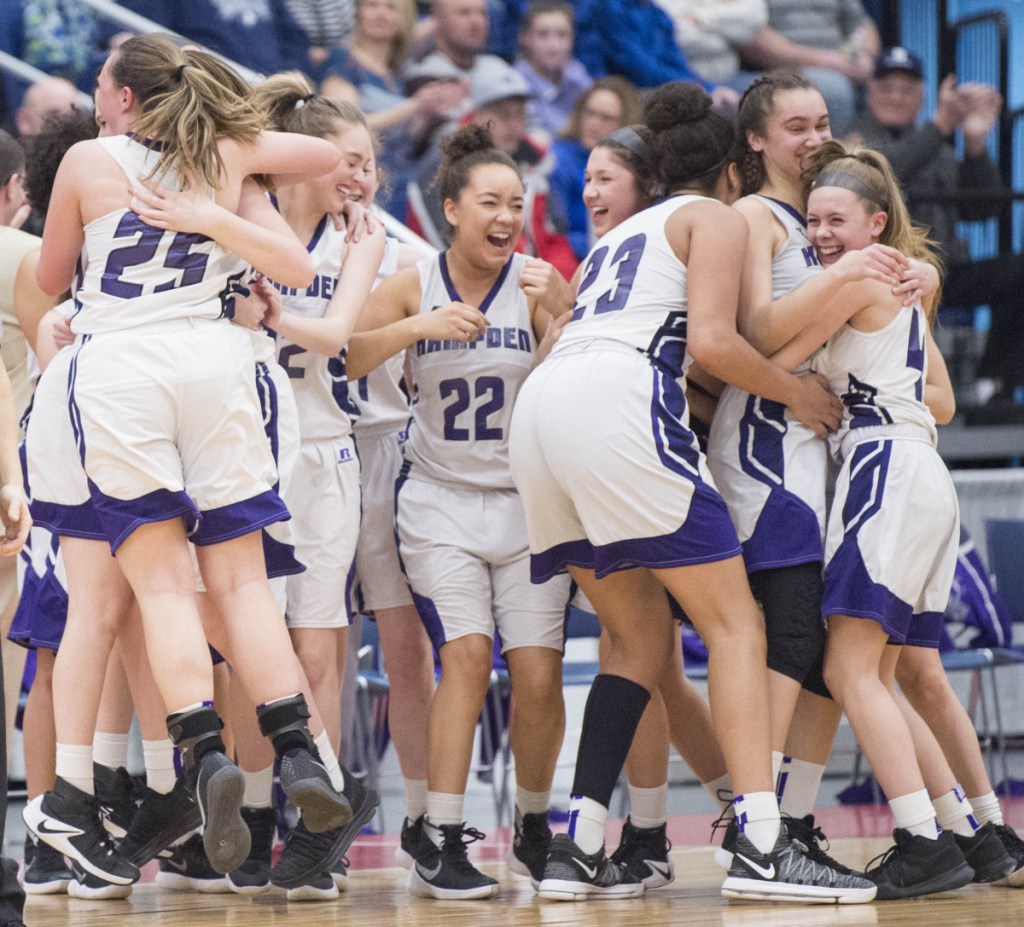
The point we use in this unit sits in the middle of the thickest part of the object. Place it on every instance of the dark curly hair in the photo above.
(60, 131)
(691, 141)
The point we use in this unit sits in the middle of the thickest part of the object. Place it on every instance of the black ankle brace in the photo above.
(195, 733)
(285, 722)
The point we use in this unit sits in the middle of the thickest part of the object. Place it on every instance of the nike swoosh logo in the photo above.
(767, 873)
(591, 872)
(181, 866)
(426, 873)
(44, 827)
(662, 870)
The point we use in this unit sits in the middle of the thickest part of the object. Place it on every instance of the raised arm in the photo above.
(331, 333)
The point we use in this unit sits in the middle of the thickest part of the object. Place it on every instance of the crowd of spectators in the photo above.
(553, 77)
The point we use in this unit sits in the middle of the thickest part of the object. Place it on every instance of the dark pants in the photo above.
(999, 283)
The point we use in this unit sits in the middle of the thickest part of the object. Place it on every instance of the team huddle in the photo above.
(266, 409)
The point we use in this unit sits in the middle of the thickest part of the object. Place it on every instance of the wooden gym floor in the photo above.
(377, 895)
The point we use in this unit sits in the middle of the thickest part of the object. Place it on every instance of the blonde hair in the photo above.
(188, 101)
(402, 41)
(629, 98)
(287, 100)
(869, 176)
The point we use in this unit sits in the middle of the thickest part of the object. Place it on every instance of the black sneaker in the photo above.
(985, 854)
(308, 786)
(219, 787)
(86, 885)
(161, 821)
(68, 819)
(187, 869)
(919, 866)
(306, 854)
(572, 875)
(809, 839)
(46, 870)
(787, 874)
(319, 888)
(1015, 847)
(339, 873)
(115, 793)
(723, 853)
(643, 853)
(445, 871)
(405, 852)
(530, 845)
(253, 876)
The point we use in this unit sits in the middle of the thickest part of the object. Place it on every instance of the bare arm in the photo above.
(392, 322)
(938, 389)
(715, 252)
(256, 233)
(331, 333)
(63, 234)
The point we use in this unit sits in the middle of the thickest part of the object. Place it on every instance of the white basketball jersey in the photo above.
(320, 383)
(796, 261)
(633, 290)
(383, 406)
(134, 274)
(464, 393)
(879, 375)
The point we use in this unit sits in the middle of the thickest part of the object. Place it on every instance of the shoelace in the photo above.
(727, 817)
(882, 859)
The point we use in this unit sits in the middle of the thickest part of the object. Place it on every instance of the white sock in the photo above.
(987, 809)
(443, 808)
(914, 812)
(954, 812)
(110, 750)
(648, 807)
(259, 788)
(415, 797)
(330, 760)
(757, 815)
(720, 790)
(777, 760)
(158, 757)
(798, 786)
(587, 819)
(74, 763)
(532, 802)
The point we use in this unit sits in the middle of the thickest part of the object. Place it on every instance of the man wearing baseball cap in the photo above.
(500, 103)
(942, 189)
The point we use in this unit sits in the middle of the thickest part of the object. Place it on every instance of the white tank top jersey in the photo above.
(633, 290)
(383, 406)
(464, 393)
(879, 375)
(320, 383)
(134, 274)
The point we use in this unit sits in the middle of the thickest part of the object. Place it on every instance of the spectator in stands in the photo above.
(326, 24)
(709, 32)
(367, 73)
(501, 105)
(460, 35)
(927, 165)
(13, 202)
(833, 42)
(636, 40)
(45, 96)
(262, 35)
(610, 104)
(556, 79)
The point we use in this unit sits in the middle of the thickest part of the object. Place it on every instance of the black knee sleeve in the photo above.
(790, 598)
(613, 712)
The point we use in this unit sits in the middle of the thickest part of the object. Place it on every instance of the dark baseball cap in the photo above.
(898, 58)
